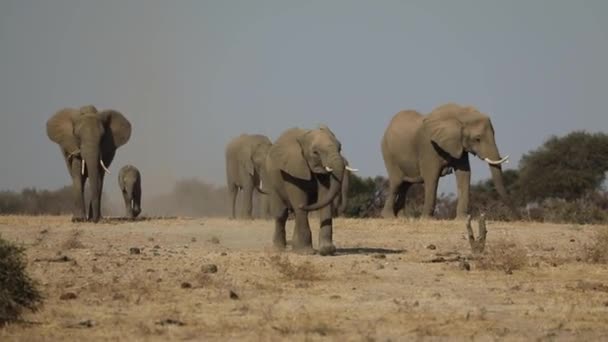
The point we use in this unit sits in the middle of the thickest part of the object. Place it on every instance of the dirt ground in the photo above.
(380, 286)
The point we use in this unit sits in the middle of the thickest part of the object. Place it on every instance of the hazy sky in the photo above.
(191, 74)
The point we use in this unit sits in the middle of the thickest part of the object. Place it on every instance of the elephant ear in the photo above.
(60, 129)
(118, 128)
(447, 134)
(288, 156)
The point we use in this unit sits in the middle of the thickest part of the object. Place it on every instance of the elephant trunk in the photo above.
(344, 193)
(91, 158)
(497, 178)
(336, 165)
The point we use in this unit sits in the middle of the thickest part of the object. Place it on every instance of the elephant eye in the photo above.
(477, 139)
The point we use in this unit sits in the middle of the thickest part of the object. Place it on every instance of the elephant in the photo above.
(421, 149)
(304, 172)
(245, 159)
(129, 182)
(88, 140)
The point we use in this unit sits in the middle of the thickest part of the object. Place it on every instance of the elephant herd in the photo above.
(303, 170)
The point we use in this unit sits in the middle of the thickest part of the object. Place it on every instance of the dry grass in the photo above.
(73, 240)
(503, 255)
(597, 251)
(304, 271)
(353, 296)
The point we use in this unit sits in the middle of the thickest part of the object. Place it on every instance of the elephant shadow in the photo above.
(367, 251)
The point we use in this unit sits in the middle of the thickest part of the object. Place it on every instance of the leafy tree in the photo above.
(565, 167)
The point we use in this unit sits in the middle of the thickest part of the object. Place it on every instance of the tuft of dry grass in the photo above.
(73, 240)
(304, 271)
(503, 255)
(597, 251)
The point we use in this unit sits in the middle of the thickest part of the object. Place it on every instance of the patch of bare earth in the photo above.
(216, 279)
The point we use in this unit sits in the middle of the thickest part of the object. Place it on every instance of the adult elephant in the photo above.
(88, 140)
(304, 172)
(420, 149)
(245, 158)
(129, 182)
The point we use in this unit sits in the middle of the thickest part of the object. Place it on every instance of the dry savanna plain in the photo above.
(158, 279)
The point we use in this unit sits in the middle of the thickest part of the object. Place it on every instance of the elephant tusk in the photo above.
(329, 169)
(104, 166)
(82, 168)
(351, 169)
(497, 162)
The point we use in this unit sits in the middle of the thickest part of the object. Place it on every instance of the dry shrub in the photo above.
(503, 255)
(305, 271)
(597, 251)
(73, 241)
(17, 290)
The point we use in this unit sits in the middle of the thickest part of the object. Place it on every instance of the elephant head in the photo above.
(92, 137)
(313, 152)
(456, 129)
(255, 160)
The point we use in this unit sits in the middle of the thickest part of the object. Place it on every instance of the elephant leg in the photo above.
(401, 200)
(463, 183)
(233, 192)
(279, 240)
(78, 180)
(431, 180)
(247, 200)
(98, 202)
(136, 202)
(302, 238)
(128, 207)
(326, 245)
(389, 210)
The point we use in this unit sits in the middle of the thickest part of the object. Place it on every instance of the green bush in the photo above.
(17, 290)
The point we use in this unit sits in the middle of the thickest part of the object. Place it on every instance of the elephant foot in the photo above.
(78, 219)
(327, 249)
(279, 245)
(387, 214)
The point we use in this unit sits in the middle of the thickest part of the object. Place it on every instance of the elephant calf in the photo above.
(304, 172)
(129, 181)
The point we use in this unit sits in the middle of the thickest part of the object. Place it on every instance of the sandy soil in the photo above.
(379, 287)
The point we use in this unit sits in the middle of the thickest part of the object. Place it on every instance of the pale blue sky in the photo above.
(191, 74)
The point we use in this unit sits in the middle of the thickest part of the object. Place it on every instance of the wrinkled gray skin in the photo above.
(129, 182)
(245, 159)
(86, 135)
(341, 200)
(298, 181)
(420, 149)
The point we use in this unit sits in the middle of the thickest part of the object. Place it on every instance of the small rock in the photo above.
(572, 240)
(379, 256)
(118, 296)
(193, 239)
(431, 247)
(68, 296)
(233, 295)
(416, 304)
(209, 268)
(334, 297)
(97, 270)
(170, 321)
(379, 267)
(134, 250)
(87, 323)
(223, 254)
(186, 285)
(156, 247)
